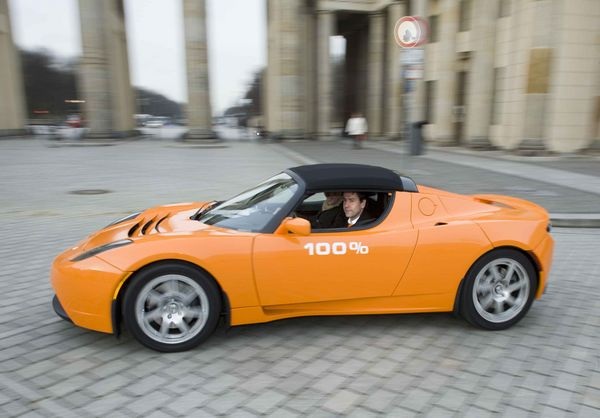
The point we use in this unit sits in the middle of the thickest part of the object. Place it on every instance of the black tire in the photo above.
(171, 307)
(498, 289)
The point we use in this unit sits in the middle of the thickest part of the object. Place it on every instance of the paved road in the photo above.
(394, 365)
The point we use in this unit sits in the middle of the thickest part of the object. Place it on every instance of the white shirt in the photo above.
(356, 126)
(352, 221)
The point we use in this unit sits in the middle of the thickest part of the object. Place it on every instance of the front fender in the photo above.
(226, 257)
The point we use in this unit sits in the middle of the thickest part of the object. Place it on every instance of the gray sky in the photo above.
(236, 36)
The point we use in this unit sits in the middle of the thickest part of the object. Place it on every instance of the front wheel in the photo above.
(171, 307)
(499, 289)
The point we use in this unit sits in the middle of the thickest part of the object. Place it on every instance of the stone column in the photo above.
(309, 71)
(393, 94)
(104, 71)
(543, 66)
(573, 110)
(270, 86)
(351, 75)
(199, 113)
(325, 22)
(285, 78)
(12, 96)
(481, 83)
(446, 84)
(416, 112)
(375, 74)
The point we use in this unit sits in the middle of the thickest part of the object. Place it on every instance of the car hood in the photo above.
(167, 219)
(160, 220)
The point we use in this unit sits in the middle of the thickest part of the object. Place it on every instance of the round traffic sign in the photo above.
(411, 31)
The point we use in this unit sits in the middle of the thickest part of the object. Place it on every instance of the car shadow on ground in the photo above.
(341, 324)
(307, 331)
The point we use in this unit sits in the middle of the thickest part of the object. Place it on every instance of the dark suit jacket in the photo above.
(335, 218)
(330, 218)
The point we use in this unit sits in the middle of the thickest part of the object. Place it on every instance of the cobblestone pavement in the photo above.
(361, 366)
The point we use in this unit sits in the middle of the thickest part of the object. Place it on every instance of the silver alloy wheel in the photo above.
(172, 309)
(501, 290)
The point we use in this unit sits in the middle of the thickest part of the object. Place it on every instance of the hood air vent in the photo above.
(146, 227)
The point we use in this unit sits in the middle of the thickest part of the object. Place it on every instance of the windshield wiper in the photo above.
(203, 210)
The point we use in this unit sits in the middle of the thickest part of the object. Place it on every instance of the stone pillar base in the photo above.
(5, 133)
(294, 134)
(531, 147)
(393, 136)
(110, 135)
(479, 143)
(201, 135)
(444, 141)
(378, 137)
(593, 148)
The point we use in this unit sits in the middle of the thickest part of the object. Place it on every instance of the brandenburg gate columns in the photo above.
(198, 109)
(443, 132)
(481, 82)
(393, 82)
(325, 23)
(105, 85)
(286, 76)
(12, 97)
(375, 73)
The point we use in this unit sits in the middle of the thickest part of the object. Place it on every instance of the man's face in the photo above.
(353, 205)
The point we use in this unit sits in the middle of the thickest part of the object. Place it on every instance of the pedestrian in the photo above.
(357, 129)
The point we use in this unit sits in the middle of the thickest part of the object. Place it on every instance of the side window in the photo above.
(378, 203)
(316, 198)
(325, 210)
(310, 206)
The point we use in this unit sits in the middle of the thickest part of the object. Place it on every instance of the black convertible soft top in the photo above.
(356, 177)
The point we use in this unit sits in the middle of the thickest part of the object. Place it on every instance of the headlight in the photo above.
(123, 219)
(101, 249)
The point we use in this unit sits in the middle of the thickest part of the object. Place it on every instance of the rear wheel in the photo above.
(499, 289)
(171, 307)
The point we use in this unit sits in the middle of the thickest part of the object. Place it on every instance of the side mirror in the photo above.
(298, 226)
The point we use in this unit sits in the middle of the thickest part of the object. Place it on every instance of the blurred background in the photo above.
(518, 75)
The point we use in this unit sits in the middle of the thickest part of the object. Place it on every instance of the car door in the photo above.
(334, 265)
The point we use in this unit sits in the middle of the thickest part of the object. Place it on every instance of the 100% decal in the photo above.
(336, 248)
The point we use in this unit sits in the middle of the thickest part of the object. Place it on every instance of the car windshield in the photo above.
(254, 208)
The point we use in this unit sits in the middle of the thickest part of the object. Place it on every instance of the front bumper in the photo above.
(60, 311)
(544, 253)
(85, 291)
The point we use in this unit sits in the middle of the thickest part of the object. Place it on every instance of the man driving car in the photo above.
(354, 204)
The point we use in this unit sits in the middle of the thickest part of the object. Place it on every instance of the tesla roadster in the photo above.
(170, 273)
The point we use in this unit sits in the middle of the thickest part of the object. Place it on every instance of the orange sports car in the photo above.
(324, 239)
